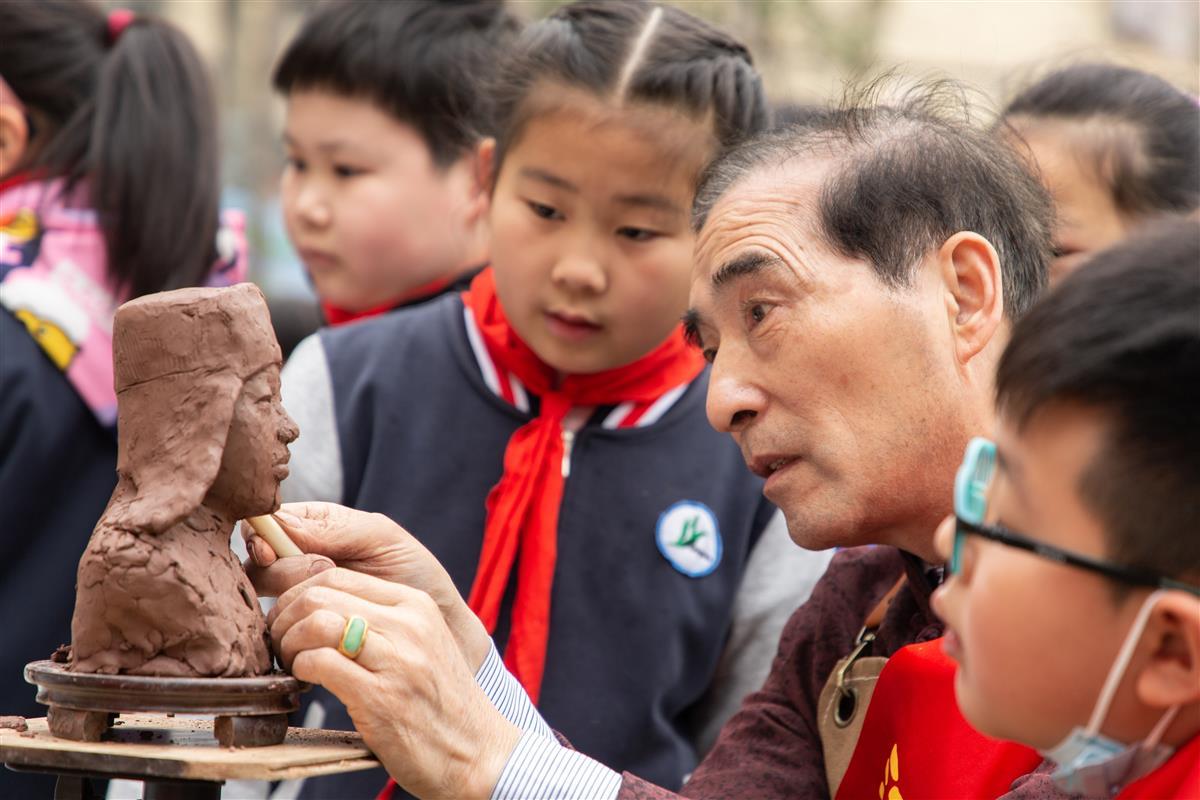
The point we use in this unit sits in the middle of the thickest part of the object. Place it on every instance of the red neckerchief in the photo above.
(915, 742)
(522, 509)
(340, 316)
(1178, 779)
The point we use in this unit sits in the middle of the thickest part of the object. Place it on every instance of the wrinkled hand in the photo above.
(410, 692)
(371, 544)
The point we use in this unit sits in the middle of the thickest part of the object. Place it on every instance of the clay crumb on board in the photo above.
(15, 723)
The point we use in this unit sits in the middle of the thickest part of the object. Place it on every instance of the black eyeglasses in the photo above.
(970, 503)
(998, 533)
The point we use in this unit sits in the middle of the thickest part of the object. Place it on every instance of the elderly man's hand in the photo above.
(410, 692)
(372, 544)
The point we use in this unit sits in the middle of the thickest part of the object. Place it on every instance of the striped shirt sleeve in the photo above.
(539, 768)
(508, 696)
(542, 769)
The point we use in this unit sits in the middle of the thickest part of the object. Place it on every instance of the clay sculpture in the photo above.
(202, 443)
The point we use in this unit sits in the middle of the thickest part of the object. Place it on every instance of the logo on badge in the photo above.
(688, 537)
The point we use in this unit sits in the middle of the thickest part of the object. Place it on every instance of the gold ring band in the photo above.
(354, 636)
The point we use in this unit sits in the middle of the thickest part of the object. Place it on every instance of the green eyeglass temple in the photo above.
(970, 506)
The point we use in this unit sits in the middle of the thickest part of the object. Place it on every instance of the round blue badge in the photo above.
(688, 537)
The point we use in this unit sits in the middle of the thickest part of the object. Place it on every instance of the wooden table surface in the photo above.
(150, 746)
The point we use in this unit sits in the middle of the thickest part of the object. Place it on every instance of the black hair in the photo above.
(423, 62)
(905, 178)
(1122, 335)
(629, 50)
(134, 120)
(1148, 148)
(789, 114)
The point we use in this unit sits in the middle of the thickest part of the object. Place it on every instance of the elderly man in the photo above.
(855, 281)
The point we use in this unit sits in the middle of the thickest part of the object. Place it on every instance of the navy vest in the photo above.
(634, 641)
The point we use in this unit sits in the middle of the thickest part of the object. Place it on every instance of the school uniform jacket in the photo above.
(405, 415)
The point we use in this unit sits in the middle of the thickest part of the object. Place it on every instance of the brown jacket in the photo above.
(771, 748)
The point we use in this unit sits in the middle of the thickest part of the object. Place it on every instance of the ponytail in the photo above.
(153, 160)
(129, 110)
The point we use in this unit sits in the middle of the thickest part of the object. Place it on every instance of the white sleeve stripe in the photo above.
(520, 398)
(306, 387)
(662, 405)
(508, 696)
(616, 416)
(542, 769)
(481, 354)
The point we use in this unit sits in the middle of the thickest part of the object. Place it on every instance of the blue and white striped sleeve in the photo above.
(542, 769)
(508, 696)
(539, 768)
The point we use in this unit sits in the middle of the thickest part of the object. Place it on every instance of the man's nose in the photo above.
(734, 399)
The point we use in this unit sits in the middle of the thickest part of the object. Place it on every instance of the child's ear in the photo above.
(1171, 675)
(485, 157)
(969, 269)
(14, 137)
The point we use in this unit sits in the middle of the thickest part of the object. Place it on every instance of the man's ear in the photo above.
(14, 137)
(1171, 675)
(970, 272)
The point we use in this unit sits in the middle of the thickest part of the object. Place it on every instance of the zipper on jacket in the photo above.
(568, 440)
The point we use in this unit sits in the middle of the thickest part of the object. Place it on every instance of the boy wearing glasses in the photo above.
(1072, 600)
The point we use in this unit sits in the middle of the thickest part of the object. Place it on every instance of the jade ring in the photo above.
(353, 637)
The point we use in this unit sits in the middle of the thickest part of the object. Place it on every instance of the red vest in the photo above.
(915, 744)
(1178, 779)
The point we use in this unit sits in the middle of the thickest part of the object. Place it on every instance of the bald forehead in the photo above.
(773, 206)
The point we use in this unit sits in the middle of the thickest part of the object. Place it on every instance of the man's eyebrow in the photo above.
(548, 177)
(744, 265)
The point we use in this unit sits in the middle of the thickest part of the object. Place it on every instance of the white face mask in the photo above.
(1092, 764)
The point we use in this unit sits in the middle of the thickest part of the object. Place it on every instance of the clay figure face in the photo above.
(256, 455)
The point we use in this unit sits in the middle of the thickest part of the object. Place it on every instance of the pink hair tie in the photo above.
(118, 21)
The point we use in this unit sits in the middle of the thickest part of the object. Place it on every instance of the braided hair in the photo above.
(632, 51)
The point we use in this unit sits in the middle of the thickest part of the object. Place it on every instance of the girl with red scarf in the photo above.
(544, 433)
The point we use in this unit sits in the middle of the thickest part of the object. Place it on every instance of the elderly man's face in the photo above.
(839, 391)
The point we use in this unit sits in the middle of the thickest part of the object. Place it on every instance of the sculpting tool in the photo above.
(272, 533)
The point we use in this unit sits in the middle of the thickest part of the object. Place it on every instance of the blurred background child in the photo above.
(383, 196)
(108, 190)
(1115, 146)
(1073, 602)
(553, 415)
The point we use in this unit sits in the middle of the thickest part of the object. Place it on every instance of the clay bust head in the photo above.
(198, 413)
